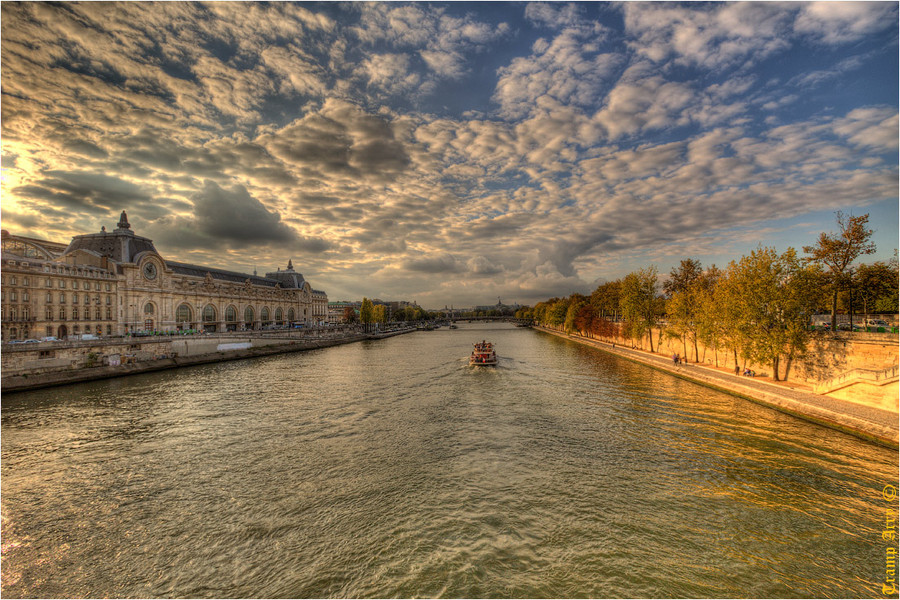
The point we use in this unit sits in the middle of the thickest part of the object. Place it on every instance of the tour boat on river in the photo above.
(483, 355)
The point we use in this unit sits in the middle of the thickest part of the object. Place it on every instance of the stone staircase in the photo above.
(882, 377)
(869, 386)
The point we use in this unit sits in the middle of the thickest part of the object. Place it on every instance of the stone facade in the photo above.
(50, 296)
(114, 283)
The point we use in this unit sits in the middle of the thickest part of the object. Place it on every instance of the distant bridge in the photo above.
(524, 322)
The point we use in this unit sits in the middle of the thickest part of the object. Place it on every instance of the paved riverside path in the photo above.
(866, 422)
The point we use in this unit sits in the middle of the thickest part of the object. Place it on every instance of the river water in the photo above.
(393, 469)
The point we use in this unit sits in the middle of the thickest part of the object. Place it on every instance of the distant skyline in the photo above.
(451, 153)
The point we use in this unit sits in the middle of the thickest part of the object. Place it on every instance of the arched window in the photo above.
(279, 315)
(230, 314)
(26, 249)
(264, 315)
(291, 315)
(148, 309)
(248, 315)
(209, 313)
(184, 314)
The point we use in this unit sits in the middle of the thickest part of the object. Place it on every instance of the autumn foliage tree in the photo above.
(575, 303)
(349, 315)
(767, 296)
(586, 320)
(838, 251)
(682, 306)
(640, 302)
(710, 329)
(877, 286)
(367, 313)
(606, 299)
(758, 309)
(556, 314)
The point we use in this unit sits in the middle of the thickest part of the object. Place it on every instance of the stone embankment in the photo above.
(866, 422)
(77, 362)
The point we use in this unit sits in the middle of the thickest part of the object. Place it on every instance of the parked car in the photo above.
(876, 323)
(847, 327)
(50, 338)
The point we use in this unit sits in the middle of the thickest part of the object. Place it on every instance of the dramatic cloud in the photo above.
(842, 22)
(570, 69)
(438, 264)
(235, 215)
(712, 36)
(95, 192)
(450, 153)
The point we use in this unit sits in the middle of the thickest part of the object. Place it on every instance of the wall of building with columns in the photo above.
(52, 290)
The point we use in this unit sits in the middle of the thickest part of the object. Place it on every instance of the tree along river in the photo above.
(392, 468)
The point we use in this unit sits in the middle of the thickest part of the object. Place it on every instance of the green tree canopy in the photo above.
(682, 277)
(640, 303)
(556, 315)
(769, 298)
(877, 286)
(366, 312)
(379, 313)
(838, 251)
(606, 298)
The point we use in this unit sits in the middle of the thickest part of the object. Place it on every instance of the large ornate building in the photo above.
(113, 283)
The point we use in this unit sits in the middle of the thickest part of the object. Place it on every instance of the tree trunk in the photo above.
(697, 350)
(787, 366)
(775, 368)
(834, 299)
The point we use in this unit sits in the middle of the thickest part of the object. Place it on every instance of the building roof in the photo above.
(29, 246)
(220, 274)
(121, 245)
(7, 256)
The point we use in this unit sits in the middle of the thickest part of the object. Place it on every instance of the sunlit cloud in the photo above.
(447, 153)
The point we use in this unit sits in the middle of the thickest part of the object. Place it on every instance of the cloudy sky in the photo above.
(451, 153)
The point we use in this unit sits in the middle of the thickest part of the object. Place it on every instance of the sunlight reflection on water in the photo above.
(392, 468)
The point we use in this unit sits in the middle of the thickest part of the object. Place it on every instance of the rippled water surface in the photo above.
(392, 468)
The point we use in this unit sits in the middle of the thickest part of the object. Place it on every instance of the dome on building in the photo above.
(121, 245)
(289, 278)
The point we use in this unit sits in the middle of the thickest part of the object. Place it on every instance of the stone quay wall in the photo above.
(859, 367)
(33, 366)
(862, 420)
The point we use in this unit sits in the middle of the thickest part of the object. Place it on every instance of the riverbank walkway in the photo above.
(869, 423)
